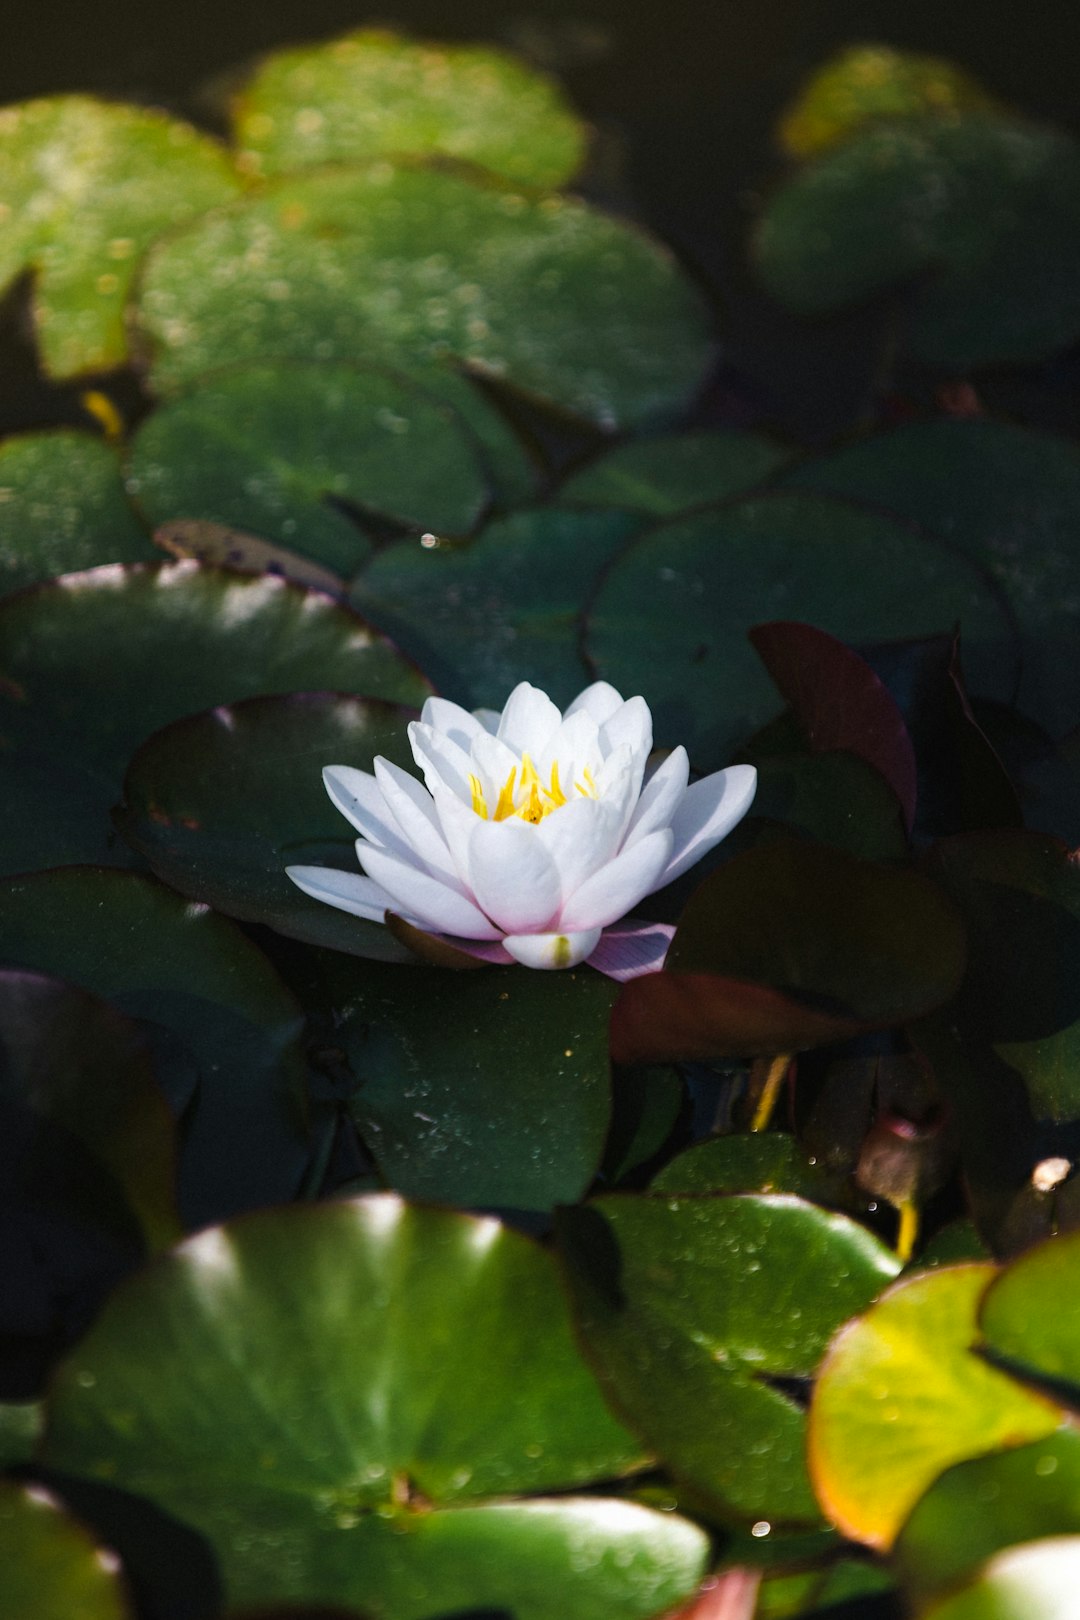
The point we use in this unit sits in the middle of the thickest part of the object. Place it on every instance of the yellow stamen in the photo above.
(589, 790)
(479, 803)
(505, 806)
(555, 792)
(526, 796)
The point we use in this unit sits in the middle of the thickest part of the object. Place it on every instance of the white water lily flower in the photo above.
(536, 832)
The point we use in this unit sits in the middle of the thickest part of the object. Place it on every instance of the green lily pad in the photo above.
(214, 1010)
(84, 186)
(1035, 1582)
(336, 1390)
(766, 1162)
(671, 616)
(374, 94)
(219, 805)
(406, 265)
(832, 798)
(20, 1426)
(1031, 1316)
(480, 1089)
(63, 508)
(273, 448)
(985, 209)
(1010, 500)
(503, 608)
(678, 1309)
(52, 1565)
(162, 642)
(665, 475)
(867, 83)
(900, 1397)
(89, 1127)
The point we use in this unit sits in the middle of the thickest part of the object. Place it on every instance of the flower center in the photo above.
(523, 794)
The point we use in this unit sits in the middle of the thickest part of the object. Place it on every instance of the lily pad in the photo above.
(85, 185)
(766, 1162)
(407, 265)
(671, 616)
(215, 1011)
(900, 1397)
(667, 474)
(832, 798)
(986, 210)
(504, 608)
(1030, 1317)
(289, 450)
(1010, 500)
(679, 1312)
(20, 1427)
(1035, 1582)
(374, 94)
(483, 1089)
(334, 1393)
(162, 642)
(51, 1564)
(63, 507)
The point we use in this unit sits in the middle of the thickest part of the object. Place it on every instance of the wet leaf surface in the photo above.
(667, 474)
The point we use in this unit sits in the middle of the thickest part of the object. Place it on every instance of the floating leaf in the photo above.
(218, 546)
(679, 1311)
(671, 616)
(501, 609)
(211, 1005)
(990, 206)
(402, 266)
(900, 1397)
(328, 1381)
(63, 507)
(1034, 1582)
(20, 1427)
(288, 449)
(374, 94)
(830, 798)
(1008, 498)
(766, 1162)
(52, 1566)
(867, 83)
(665, 475)
(485, 1089)
(84, 186)
(1031, 1316)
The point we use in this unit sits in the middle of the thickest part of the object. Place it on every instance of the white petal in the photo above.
(512, 876)
(492, 761)
(598, 700)
(451, 720)
(660, 797)
(573, 746)
(528, 719)
(552, 950)
(630, 725)
(708, 811)
(346, 890)
(610, 893)
(580, 837)
(631, 948)
(488, 718)
(440, 758)
(357, 795)
(424, 899)
(457, 821)
(413, 808)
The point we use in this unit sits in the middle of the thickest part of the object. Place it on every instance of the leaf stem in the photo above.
(776, 1069)
(908, 1231)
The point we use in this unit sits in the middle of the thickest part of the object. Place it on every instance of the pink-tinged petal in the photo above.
(629, 949)
(451, 720)
(660, 797)
(457, 821)
(512, 876)
(346, 890)
(422, 899)
(708, 811)
(599, 701)
(413, 808)
(485, 950)
(617, 887)
(552, 951)
(528, 719)
(357, 795)
(580, 837)
(441, 760)
(629, 726)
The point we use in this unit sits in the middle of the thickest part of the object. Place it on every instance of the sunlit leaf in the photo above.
(1034, 1582)
(52, 1565)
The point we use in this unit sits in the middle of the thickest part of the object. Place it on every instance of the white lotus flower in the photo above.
(535, 834)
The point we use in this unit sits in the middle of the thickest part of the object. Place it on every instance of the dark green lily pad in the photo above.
(287, 449)
(832, 798)
(215, 1011)
(765, 1162)
(51, 1564)
(483, 1089)
(1010, 500)
(374, 94)
(900, 1397)
(503, 608)
(670, 618)
(219, 805)
(84, 186)
(985, 209)
(161, 642)
(325, 1377)
(409, 265)
(62, 508)
(1037, 1581)
(20, 1426)
(678, 1309)
(665, 475)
